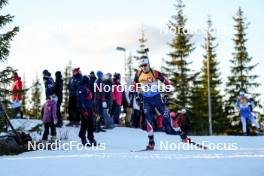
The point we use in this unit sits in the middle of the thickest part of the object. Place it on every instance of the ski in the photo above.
(142, 150)
(260, 133)
(199, 145)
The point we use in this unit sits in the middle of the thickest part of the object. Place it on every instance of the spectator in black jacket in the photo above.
(92, 81)
(58, 88)
(84, 99)
(73, 85)
(107, 81)
(100, 102)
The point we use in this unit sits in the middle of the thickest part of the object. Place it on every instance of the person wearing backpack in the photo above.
(146, 82)
(85, 102)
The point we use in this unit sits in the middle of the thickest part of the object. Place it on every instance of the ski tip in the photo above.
(142, 150)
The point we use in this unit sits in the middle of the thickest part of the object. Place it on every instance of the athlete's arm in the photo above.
(160, 77)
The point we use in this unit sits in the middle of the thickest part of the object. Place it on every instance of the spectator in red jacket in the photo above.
(16, 94)
(182, 120)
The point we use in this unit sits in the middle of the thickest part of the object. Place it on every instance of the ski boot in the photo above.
(93, 142)
(186, 140)
(53, 139)
(59, 125)
(151, 143)
(84, 141)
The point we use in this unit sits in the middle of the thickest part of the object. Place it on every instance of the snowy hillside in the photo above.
(116, 159)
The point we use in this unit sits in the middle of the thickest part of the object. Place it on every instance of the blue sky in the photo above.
(87, 32)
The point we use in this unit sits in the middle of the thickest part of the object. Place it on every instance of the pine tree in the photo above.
(241, 77)
(5, 82)
(199, 123)
(66, 76)
(164, 68)
(5, 39)
(36, 99)
(181, 78)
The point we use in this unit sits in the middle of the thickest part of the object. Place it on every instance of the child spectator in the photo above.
(49, 117)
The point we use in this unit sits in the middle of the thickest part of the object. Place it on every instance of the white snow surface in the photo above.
(118, 160)
(25, 124)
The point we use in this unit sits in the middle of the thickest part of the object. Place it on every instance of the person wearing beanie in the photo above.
(92, 78)
(48, 83)
(100, 74)
(100, 102)
(85, 101)
(147, 77)
(73, 85)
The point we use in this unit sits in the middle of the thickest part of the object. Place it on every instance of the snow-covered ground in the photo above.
(243, 156)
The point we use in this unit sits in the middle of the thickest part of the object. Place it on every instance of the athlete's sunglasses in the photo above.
(144, 65)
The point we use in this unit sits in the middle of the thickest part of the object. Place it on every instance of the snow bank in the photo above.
(117, 159)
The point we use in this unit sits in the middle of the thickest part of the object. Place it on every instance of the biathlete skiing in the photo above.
(146, 84)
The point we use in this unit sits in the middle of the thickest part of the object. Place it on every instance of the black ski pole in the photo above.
(10, 124)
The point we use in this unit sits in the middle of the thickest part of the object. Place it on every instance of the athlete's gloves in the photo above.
(85, 114)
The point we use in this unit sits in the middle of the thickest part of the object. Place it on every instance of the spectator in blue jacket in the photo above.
(48, 83)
